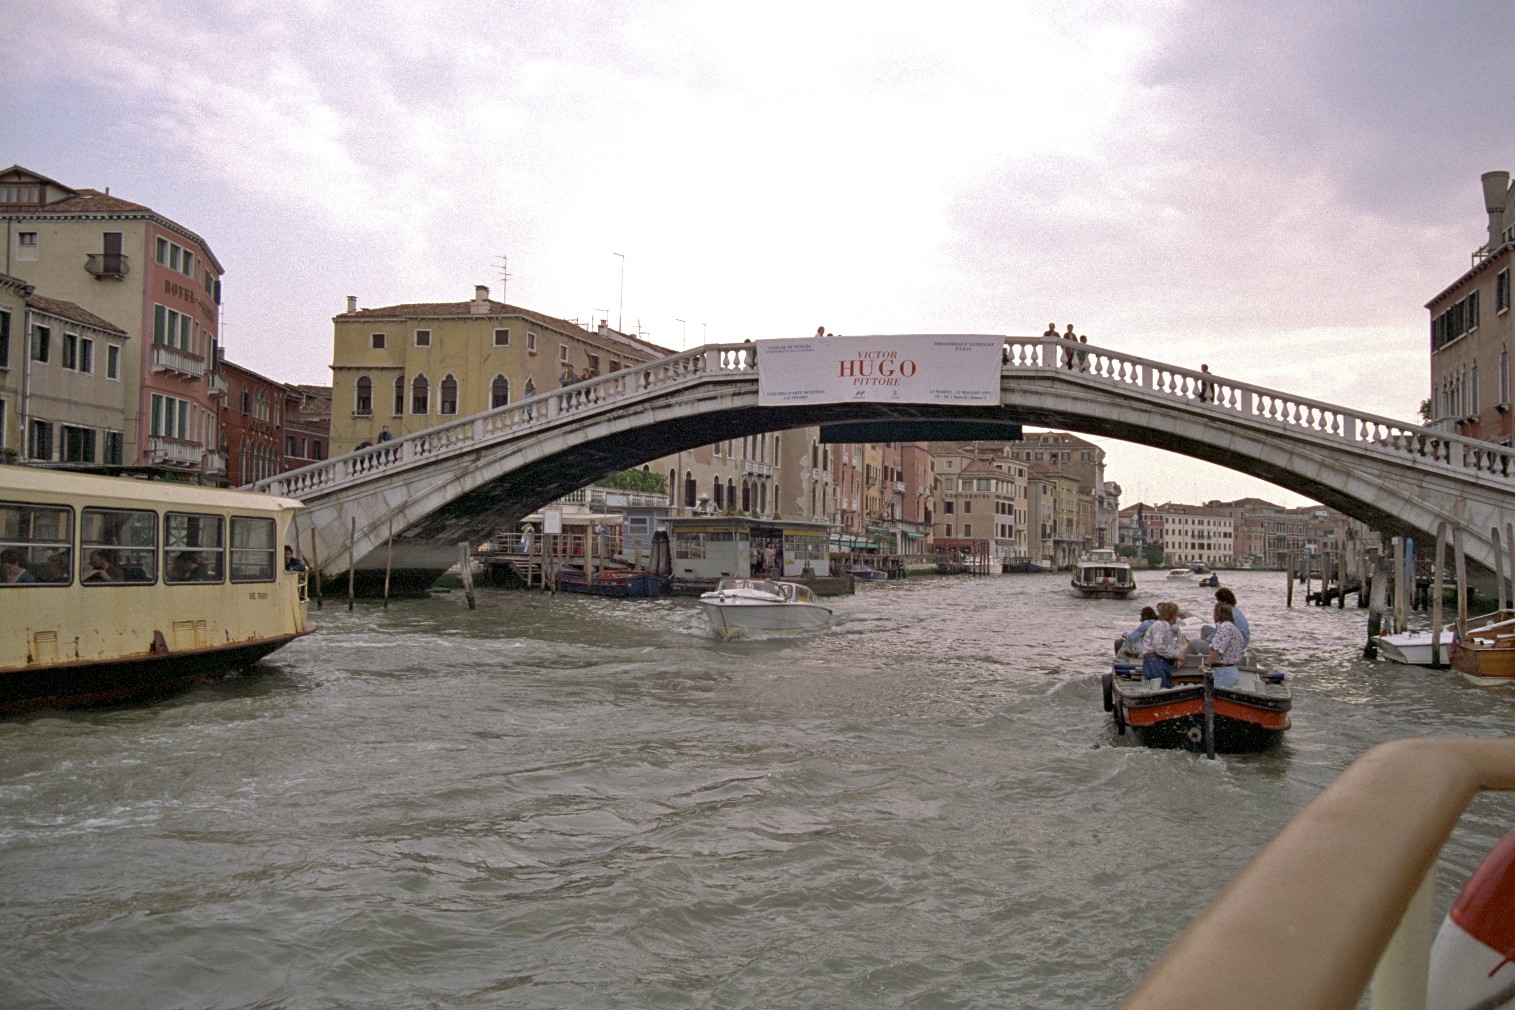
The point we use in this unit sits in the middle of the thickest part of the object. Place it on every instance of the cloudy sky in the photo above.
(1274, 189)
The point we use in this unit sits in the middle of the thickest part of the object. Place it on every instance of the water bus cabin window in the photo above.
(192, 547)
(36, 544)
(252, 549)
(118, 545)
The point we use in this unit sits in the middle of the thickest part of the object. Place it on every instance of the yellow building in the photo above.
(13, 292)
(411, 367)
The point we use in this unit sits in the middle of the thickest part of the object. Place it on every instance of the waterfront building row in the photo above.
(1245, 533)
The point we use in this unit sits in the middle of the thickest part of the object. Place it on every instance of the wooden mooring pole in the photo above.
(465, 566)
(389, 559)
(1376, 607)
(352, 535)
(1440, 564)
(1462, 582)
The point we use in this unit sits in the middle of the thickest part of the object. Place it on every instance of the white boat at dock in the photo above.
(738, 606)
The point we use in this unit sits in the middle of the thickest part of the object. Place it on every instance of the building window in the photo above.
(562, 352)
(171, 327)
(5, 339)
(420, 391)
(86, 355)
(27, 239)
(289, 446)
(423, 338)
(502, 338)
(399, 395)
(376, 341)
(115, 447)
(363, 396)
(71, 351)
(113, 361)
(39, 440)
(531, 343)
(448, 404)
(594, 363)
(78, 444)
(246, 402)
(41, 339)
(1502, 290)
(175, 257)
(499, 392)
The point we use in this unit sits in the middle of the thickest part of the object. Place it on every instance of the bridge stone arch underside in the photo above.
(410, 518)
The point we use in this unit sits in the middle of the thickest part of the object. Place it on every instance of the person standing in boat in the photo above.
(1131, 641)
(1226, 647)
(1227, 597)
(1162, 647)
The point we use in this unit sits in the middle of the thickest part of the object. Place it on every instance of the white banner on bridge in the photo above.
(915, 368)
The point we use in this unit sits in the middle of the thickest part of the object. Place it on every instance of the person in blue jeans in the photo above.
(1162, 646)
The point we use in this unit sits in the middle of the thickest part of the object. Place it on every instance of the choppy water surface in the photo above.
(572, 802)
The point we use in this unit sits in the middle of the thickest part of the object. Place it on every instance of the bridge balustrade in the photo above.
(1044, 357)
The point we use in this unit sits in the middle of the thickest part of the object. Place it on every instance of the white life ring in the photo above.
(1473, 958)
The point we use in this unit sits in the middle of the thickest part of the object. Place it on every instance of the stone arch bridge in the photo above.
(409, 502)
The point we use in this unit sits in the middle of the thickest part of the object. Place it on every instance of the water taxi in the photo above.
(1101, 574)
(114, 587)
(738, 606)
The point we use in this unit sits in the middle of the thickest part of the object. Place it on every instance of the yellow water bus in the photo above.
(113, 587)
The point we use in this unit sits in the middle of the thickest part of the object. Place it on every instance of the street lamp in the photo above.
(620, 317)
(683, 340)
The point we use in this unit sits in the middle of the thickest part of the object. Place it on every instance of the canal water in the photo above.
(571, 802)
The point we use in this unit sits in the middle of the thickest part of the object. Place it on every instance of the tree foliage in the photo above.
(636, 480)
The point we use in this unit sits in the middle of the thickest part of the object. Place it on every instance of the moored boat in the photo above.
(114, 588)
(866, 573)
(1413, 648)
(627, 582)
(1103, 575)
(738, 606)
(1248, 717)
(1486, 655)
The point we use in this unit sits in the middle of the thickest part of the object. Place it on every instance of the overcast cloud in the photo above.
(1273, 189)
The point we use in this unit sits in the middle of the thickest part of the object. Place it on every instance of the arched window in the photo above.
(448, 404)
(730, 493)
(690, 490)
(399, 395)
(420, 395)
(1504, 375)
(499, 392)
(362, 401)
(746, 497)
(718, 494)
(673, 486)
(1473, 390)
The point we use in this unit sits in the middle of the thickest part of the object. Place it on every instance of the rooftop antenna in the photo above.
(503, 264)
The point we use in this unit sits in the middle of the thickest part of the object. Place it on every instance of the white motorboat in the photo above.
(1413, 648)
(1101, 574)
(1179, 573)
(740, 606)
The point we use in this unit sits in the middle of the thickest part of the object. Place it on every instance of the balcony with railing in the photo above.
(169, 451)
(759, 468)
(107, 266)
(168, 358)
(216, 384)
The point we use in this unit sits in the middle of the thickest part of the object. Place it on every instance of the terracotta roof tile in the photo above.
(68, 310)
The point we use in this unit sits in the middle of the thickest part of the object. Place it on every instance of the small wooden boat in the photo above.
(1413, 648)
(1249, 717)
(1486, 654)
(738, 606)
(609, 581)
(1103, 575)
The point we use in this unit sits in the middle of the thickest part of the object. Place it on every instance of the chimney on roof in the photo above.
(1496, 195)
(480, 304)
(352, 303)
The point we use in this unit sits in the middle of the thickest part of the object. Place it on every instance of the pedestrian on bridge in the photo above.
(1206, 387)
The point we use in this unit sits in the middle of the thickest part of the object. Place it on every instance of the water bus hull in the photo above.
(116, 588)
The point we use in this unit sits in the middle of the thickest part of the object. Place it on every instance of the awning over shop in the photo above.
(849, 542)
